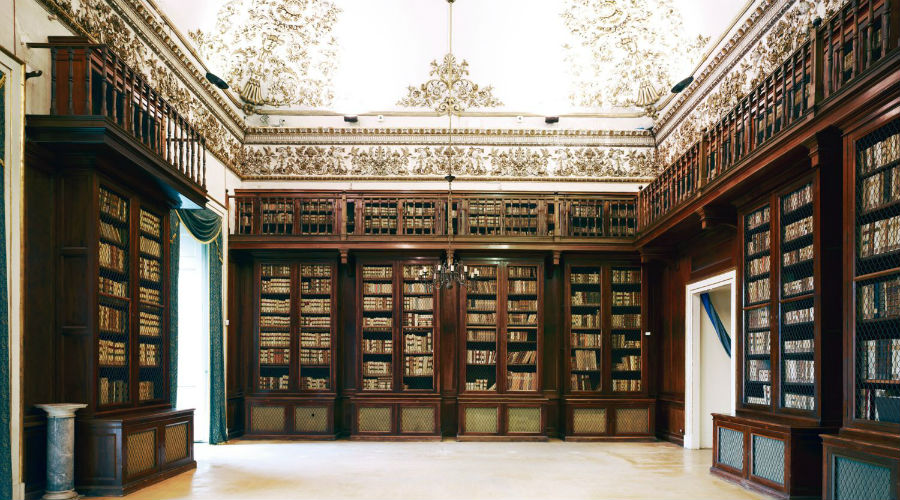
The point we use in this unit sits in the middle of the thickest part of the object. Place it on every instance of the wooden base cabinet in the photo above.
(518, 420)
(860, 468)
(290, 418)
(765, 455)
(123, 454)
(608, 420)
(396, 419)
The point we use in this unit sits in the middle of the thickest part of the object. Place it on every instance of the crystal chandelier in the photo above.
(449, 272)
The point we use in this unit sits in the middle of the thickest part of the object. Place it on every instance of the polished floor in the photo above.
(449, 469)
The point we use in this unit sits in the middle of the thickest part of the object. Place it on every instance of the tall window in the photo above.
(193, 331)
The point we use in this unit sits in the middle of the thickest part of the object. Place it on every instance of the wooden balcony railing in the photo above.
(840, 49)
(89, 79)
(376, 215)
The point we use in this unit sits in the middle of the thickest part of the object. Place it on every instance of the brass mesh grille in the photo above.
(311, 419)
(523, 420)
(417, 419)
(481, 420)
(374, 419)
(731, 448)
(589, 420)
(768, 458)
(857, 480)
(632, 421)
(176, 442)
(266, 419)
(141, 452)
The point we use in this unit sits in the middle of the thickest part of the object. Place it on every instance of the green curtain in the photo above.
(174, 260)
(206, 226)
(5, 429)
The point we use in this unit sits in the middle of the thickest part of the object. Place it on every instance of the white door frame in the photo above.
(693, 316)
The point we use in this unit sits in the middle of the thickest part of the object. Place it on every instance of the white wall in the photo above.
(715, 365)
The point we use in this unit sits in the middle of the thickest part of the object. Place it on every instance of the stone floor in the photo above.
(449, 469)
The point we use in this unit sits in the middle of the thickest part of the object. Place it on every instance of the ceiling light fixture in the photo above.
(682, 84)
(551, 119)
(215, 80)
(351, 118)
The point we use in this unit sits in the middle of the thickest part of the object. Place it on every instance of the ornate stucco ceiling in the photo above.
(524, 56)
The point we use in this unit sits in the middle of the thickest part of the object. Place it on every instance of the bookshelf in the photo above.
(417, 330)
(482, 325)
(756, 308)
(275, 327)
(377, 328)
(626, 346)
(151, 346)
(316, 327)
(586, 318)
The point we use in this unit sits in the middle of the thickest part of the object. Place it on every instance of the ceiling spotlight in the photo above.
(817, 22)
(215, 80)
(351, 118)
(551, 119)
(682, 84)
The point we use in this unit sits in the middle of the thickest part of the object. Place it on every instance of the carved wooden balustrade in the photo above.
(838, 52)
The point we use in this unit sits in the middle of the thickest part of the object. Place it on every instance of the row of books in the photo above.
(484, 271)
(481, 304)
(418, 365)
(522, 272)
(797, 287)
(587, 320)
(315, 306)
(880, 359)
(421, 303)
(315, 339)
(418, 343)
(374, 368)
(584, 382)
(274, 356)
(481, 357)
(587, 210)
(759, 370)
(111, 353)
(626, 276)
(626, 385)
(481, 335)
(799, 316)
(879, 300)
(149, 355)
(625, 299)
(622, 342)
(626, 321)
(111, 320)
(113, 287)
(480, 384)
(314, 383)
(527, 208)
(869, 407)
(520, 335)
(377, 322)
(523, 286)
(380, 209)
(113, 205)
(150, 247)
(150, 270)
(275, 271)
(149, 295)
(589, 227)
(521, 381)
(797, 199)
(112, 391)
(418, 223)
(758, 343)
(799, 401)
(525, 305)
(315, 356)
(118, 235)
(758, 218)
(274, 339)
(378, 346)
(380, 288)
(315, 321)
(586, 340)
(758, 291)
(276, 206)
(150, 223)
(377, 384)
(380, 223)
(274, 383)
(146, 390)
(758, 318)
(274, 321)
(112, 257)
(377, 303)
(798, 255)
(758, 242)
(765, 399)
(798, 346)
(149, 324)
(274, 306)
(880, 189)
(485, 207)
(418, 319)
(879, 237)
(521, 357)
(484, 287)
(416, 209)
(799, 371)
(416, 288)
(481, 318)
(879, 154)
(584, 360)
(275, 286)
(758, 266)
(377, 272)
(521, 319)
(282, 218)
(315, 271)
(628, 363)
(317, 206)
(580, 298)
(799, 229)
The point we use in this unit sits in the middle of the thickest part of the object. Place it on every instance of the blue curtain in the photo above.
(5, 429)
(174, 260)
(717, 323)
(206, 226)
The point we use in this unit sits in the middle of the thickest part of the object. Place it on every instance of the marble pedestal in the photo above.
(60, 450)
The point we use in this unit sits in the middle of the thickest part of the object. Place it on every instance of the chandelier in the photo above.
(448, 273)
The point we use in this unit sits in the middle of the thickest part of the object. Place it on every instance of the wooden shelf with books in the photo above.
(604, 398)
(293, 395)
(501, 367)
(398, 324)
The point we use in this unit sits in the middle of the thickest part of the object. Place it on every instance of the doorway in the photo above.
(709, 369)
(193, 332)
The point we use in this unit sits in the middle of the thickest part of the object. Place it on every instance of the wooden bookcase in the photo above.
(500, 351)
(605, 396)
(293, 389)
(787, 342)
(866, 449)
(398, 330)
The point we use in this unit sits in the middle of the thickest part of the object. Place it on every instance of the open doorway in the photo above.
(709, 369)
(193, 332)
